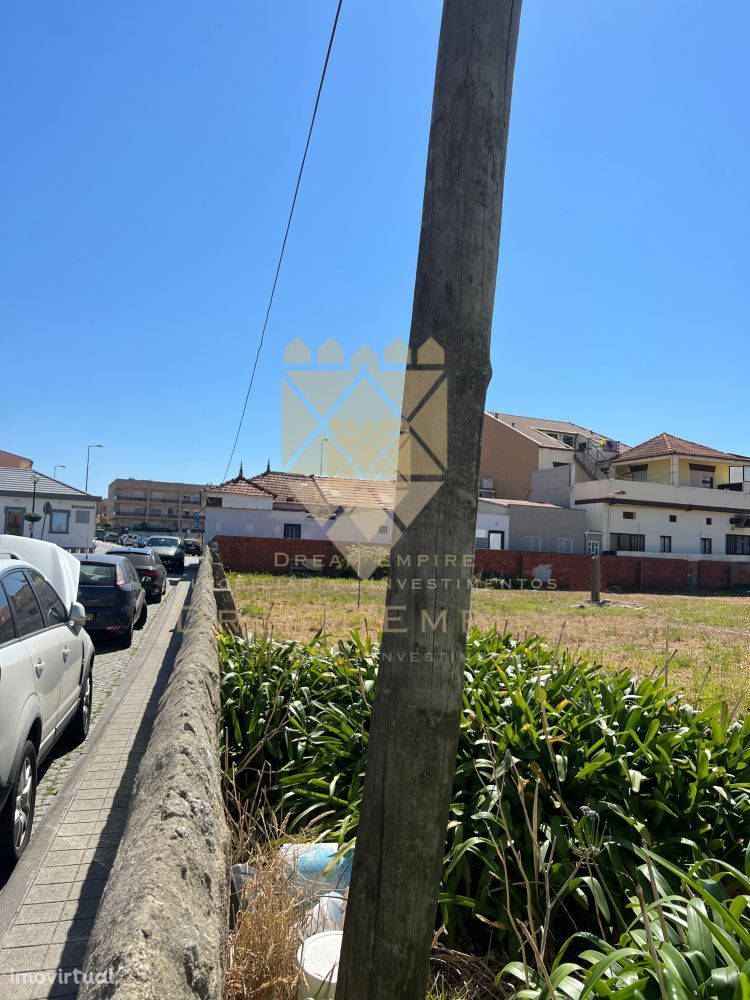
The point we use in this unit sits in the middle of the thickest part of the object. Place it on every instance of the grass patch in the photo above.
(708, 637)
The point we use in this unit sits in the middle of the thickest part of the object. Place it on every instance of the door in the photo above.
(42, 645)
(17, 686)
(70, 645)
(14, 520)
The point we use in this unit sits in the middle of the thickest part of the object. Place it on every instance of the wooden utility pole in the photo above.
(415, 721)
(596, 579)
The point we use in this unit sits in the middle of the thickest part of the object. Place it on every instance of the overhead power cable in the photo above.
(286, 235)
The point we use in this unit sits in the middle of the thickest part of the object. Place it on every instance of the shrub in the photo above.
(693, 943)
(561, 770)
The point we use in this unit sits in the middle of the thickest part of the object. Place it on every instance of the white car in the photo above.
(46, 664)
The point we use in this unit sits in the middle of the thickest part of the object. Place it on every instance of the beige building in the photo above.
(163, 506)
(515, 447)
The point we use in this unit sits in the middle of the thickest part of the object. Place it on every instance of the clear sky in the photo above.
(149, 151)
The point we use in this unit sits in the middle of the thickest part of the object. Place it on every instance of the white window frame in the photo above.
(564, 546)
(593, 547)
(532, 543)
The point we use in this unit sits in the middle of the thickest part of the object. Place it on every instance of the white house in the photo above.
(671, 497)
(67, 515)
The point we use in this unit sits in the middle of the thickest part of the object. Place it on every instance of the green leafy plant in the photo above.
(561, 770)
(691, 943)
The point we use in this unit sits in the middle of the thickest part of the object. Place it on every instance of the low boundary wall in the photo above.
(569, 572)
(163, 919)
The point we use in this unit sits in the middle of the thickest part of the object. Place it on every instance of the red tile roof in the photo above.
(663, 445)
(315, 491)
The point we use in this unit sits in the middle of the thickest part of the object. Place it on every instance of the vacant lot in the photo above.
(707, 638)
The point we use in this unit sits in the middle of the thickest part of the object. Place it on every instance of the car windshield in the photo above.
(164, 540)
(98, 574)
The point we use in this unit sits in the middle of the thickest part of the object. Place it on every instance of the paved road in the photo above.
(110, 669)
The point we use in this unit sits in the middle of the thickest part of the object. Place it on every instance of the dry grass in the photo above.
(706, 638)
(262, 950)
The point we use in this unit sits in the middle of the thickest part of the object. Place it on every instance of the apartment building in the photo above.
(156, 504)
(515, 447)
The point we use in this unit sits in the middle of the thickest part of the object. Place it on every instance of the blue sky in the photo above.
(149, 154)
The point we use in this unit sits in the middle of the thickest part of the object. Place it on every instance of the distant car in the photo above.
(169, 550)
(149, 567)
(129, 539)
(110, 536)
(192, 546)
(46, 671)
(111, 591)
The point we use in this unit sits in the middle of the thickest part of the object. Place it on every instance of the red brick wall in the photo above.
(570, 572)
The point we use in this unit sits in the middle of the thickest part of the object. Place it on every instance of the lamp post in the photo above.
(34, 481)
(324, 441)
(88, 458)
(54, 474)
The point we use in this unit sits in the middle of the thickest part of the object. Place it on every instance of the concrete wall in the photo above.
(163, 919)
(552, 486)
(551, 524)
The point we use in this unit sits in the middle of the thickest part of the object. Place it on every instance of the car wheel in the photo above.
(141, 621)
(18, 814)
(79, 725)
(126, 639)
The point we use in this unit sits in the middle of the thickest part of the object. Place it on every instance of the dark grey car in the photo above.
(112, 594)
(149, 567)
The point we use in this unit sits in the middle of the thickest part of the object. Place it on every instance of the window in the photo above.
(14, 520)
(709, 520)
(738, 545)
(496, 540)
(702, 475)
(628, 543)
(672, 518)
(52, 607)
(628, 515)
(84, 516)
(665, 543)
(593, 547)
(532, 543)
(292, 531)
(58, 522)
(7, 629)
(98, 574)
(706, 546)
(564, 545)
(28, 616)
(639, 473)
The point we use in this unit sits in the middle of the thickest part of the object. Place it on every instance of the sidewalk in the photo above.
(47, 936)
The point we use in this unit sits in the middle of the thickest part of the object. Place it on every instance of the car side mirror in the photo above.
(77, 615)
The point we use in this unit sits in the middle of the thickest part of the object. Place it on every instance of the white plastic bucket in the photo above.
(318, 957)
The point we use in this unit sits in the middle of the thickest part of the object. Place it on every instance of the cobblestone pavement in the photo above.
(48, 906)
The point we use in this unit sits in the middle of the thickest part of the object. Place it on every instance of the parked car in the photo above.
(112, 594)
(46, 671)
(192, 546)
(110, 536)
(129, 539)
(169, 550)
(149, 567)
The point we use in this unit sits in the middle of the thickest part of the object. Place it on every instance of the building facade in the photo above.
(67, 515)
(160, 505)
(515, 447)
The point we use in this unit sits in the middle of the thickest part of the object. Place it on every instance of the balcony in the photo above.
(625, 491)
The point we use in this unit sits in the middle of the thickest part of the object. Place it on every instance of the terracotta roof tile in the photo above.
(664, 445)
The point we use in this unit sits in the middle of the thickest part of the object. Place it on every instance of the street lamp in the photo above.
(324, 441)
(54, 474)
(34, 480)
(88, 457)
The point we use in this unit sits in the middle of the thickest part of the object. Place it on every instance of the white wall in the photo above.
(80, 534)
(492, 517)
(686, 532)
